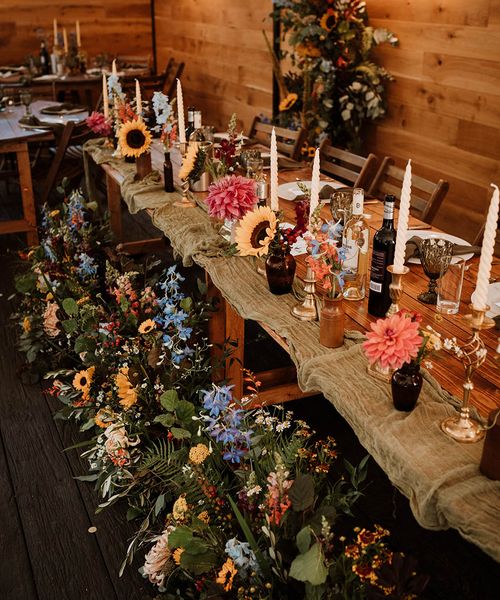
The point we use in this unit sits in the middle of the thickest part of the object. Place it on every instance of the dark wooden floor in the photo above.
(47, 552)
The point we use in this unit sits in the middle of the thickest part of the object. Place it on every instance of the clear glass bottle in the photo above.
(197, 135)
(355, 241)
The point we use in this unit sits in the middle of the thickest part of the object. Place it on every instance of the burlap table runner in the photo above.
(440, 477)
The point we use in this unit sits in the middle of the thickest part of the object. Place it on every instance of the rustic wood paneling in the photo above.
(228, 68)
(444, 105)
(107, 26)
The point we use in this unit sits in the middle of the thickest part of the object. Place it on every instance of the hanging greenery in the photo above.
(334, 87)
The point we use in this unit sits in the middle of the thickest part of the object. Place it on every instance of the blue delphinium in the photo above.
(242, 555)
(115, 87)
(162, 110)
(87, 266)
(172, 318)
(49, 251)
(223, 422)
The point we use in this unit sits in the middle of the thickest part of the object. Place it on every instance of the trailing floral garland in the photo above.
(334, 87)
(230, 501)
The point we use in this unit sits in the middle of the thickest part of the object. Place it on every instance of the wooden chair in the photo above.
(124, 61)
(67, 161)
(173, 71)
(478, 240)
(351, 169)
(165, 82)
(288, 141)
(426, 196)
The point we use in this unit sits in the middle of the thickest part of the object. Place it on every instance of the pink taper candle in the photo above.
(313, 204)
(274, 172)
(404, 215)
(480, 298)
(181, 127)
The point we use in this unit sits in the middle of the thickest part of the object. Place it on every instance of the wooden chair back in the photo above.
(174, 71)
(288, 141)
(349, 168)
(124, 61)
(426, 196)
(478, 240)
(70, 136)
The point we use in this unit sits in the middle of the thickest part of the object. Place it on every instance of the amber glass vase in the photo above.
(331, 323)
(280, 271)
(406, 384)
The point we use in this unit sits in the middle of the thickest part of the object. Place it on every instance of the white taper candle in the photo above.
(65, 40)
(55, 33)
(480, 298)
(78, 39)
(404, 215)
(314, 201)
(181, 127)
(105, 98)
(138, 98)
(113, 68)
(274, 172)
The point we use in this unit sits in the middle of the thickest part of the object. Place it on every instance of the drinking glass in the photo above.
(449, 289)
(246, 155)
(26, 98)
(435, 256)
(255, 167)
(208, 132)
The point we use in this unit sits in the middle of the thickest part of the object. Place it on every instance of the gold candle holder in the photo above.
(307, 310)
(395, 289)
(187, 198)
(462, 427)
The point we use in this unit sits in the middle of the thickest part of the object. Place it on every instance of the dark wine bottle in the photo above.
(44, 60)
(384, 242)
(168, 173)
(190, 121)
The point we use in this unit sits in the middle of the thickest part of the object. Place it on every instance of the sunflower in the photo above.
(226, 575)
(126, 392)
(83, 379)
(26, 325)
(308, 49)
(256, 231)
(193, 163)
(288, 102)
(177, 555)
(329, 19)
(134, 138)
(147, 326)
(104, 417)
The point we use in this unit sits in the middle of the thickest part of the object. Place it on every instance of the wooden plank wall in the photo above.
(228, 68)
(445, 102)
(107, 26)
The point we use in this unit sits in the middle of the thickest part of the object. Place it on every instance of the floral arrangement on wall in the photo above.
(335, 87)
(230, 499)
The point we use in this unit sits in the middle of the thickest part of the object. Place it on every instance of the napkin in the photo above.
(413, 248)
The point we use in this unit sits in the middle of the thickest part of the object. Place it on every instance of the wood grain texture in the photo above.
(228, 68)
(106, 27)
(444, 103)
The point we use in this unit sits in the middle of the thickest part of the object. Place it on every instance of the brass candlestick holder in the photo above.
(462, 427)
(187, 197)
(395, 289)
(307, 310)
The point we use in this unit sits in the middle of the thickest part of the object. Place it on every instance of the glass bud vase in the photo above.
(280, 271)
(331, 323)
(406, 384)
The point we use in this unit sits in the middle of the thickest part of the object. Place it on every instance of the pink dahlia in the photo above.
(231, 197)
(392, 341)
(98, 123)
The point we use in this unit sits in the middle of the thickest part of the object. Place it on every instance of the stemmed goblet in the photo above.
(26, 101)
(435, 256)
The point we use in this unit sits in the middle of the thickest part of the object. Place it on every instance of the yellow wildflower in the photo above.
(147, 326)
(26, 325)
(180, 508)
(204, 517)
(226, 575)
(177, 555)
(198, 454)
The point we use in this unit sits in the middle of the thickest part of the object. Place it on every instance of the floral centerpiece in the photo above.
(334, 86)
(166, 122)
(98, 124)
(400, 343)
(224, 154)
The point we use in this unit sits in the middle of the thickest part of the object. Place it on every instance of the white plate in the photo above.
(425, 233)
(289, 191)
(224, 135)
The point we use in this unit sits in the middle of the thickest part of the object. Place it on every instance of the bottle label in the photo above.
(197, 120)
(358, 196)
(389, 210)
(379, 263)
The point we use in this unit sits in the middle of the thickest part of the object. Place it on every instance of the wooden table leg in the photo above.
(216, 329)
(235, 333)
(28, 198)
(114, 207)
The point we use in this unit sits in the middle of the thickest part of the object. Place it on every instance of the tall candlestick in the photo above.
(404, 215)
(65, 40)
(113, 68)
(274, 172)
(78, 39)
(480, 298)
(138, 98)
(55, 32)
(314, 201)
(180, 114)
(105, 98)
